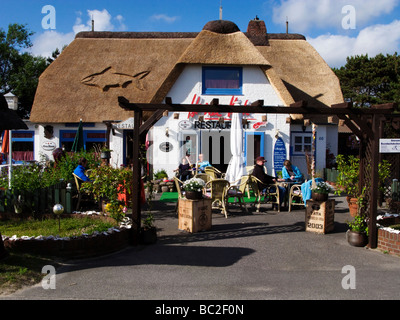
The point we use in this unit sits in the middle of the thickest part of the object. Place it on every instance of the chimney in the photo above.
(257, 32)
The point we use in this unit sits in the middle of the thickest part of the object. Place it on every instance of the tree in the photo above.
(19, 72)
(367, 81)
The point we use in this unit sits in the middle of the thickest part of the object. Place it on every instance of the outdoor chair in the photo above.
(214, 173)
(81, 195)
(205, 177)
(270, 195)
(237, 190)
(217, 192)
(181, 195)
(295, 196)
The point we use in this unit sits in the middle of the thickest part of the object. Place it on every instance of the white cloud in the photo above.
(45, 43)
(372, 40)
(304, 15)
(163, 17)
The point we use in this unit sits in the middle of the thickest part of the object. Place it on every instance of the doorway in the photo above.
(215, 146)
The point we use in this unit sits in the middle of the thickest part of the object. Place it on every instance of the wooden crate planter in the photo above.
(194, 215)
(320, 216)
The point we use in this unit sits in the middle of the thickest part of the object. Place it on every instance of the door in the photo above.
(215, 146)
(254, 146)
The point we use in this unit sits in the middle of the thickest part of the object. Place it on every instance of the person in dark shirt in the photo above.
(184, 169)
(260, 174)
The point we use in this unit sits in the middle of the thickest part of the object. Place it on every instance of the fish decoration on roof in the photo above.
(110, 78)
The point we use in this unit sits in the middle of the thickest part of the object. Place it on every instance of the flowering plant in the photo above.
(194, 184)
(322, 187)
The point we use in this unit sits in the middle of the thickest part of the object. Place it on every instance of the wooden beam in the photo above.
(145, 127)
(136, 184)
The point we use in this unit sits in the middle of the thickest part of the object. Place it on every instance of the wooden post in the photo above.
(372, 230)
(136, 206)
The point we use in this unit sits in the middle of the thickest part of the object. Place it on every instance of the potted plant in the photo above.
(148, 232)
(357, 235)
(194, 188)
(321, 191)
(105, 153)
(348, 180)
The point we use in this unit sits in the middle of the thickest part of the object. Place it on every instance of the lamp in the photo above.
(12, 101)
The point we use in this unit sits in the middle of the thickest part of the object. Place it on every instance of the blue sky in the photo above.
(336, 28)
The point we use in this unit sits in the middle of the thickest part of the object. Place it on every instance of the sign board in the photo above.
(49, 145)
(127, 124)
(279, 154)
(389, 145)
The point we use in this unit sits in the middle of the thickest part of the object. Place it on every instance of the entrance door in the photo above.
(215, 146)
(254, 146)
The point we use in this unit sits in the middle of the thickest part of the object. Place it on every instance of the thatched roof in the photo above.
(84, 82)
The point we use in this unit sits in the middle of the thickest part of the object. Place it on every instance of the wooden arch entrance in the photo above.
(366, 124)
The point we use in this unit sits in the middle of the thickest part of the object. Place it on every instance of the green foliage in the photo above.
(161, 174)
(358, 224)
(19, 72)
(349, 171)
(107, 184)
(367, 81)
(33, 176)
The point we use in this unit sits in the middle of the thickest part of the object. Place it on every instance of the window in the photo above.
(22, 145)
(222, 80)
(92, 140)
(302, 143)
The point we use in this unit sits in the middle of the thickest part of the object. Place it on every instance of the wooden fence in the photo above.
(40, 200)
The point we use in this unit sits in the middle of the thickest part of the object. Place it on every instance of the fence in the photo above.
(331, 175)
(40, 200)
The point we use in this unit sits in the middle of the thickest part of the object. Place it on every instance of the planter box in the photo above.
(194, 215)
(320, 216)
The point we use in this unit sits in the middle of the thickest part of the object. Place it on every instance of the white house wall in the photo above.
(188, 90)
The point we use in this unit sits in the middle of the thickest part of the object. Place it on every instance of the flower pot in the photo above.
(319, 196)
(353, 206)
(148, 235)
(357, 239)
(194, 195)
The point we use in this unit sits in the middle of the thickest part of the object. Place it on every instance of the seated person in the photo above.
(291, 173)
(260, 174)
(80, 170)
(202, 164)
(184, 169)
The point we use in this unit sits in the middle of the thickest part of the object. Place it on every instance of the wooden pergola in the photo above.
(365, 123)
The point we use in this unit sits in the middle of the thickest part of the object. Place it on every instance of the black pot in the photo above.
(319, 196)
(194, 195)
(148, 235)
(357, 239)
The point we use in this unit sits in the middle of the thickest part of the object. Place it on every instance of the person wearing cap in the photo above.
(260, 174)
(291, 173)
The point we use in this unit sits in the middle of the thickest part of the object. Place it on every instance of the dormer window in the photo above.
(222, 80)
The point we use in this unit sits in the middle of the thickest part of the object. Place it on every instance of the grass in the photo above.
(69, 227)
(19, 269)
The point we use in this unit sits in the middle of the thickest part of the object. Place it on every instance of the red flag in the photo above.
(6, 144)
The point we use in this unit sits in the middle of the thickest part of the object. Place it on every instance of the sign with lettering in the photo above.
(389, 145)
(166, 146)
(279, 154)
(48, 145)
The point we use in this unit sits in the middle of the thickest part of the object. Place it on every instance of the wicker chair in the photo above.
(214, 173)
(271, 194)
(237, 190)
(295, 196)
(218, 189)
(203, 176)
(178, 184)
